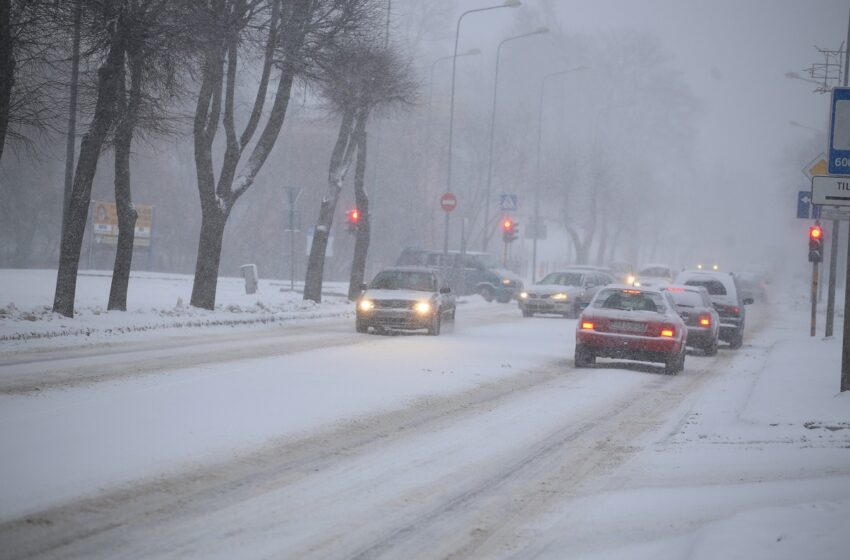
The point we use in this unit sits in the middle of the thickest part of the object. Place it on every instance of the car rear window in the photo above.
(714, 287)
(685, 298)
(630, 300)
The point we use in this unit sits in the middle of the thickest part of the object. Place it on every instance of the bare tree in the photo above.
(109, 74)
(360, 79)
(291, 36)
(155, 40)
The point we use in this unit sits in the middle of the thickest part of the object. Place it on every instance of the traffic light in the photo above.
(352, 218)
(509, 230)
(815, 244)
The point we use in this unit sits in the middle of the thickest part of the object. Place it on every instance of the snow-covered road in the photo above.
(314, 442)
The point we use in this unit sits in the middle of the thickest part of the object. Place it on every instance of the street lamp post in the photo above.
(488, 196)
(506, 4)
(537, 228)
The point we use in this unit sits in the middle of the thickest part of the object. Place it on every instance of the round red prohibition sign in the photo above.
(448, 202)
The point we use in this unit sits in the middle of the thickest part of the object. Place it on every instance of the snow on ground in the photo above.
(754, 465)
(155, 301)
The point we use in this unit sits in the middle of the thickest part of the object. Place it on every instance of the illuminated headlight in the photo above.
(523, 295)
(422, 307)
(366, 305)
(630, 280)
(560, 297)
(506, 281)
(636, 283)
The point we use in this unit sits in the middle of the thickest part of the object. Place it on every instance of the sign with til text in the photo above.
(831, 190)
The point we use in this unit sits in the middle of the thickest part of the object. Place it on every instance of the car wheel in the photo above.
(527, 313)
(675, 363)
(584, 357)
(486, 292)
(737, 340)
(361, 326)
(711, 348)
(434, 327)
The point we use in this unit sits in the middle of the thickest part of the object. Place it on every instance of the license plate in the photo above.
(628, 326)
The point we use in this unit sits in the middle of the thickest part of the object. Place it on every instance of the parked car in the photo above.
(654, 275)
(634, 323)
(727, 299)
(564, 292)
(467, 273)
(698, 313)
(405, 298)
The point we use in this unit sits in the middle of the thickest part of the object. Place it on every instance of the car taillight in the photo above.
(705, 320)
(734, 310)
(587, 326)
(668, 332)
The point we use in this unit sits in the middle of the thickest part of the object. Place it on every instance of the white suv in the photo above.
(727, 300)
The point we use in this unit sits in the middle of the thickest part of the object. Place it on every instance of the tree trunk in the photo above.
(209, 256)
(603, 244)
(7, 69)
(361, 199)
(340, 162)
(123, 199)
(90, 147)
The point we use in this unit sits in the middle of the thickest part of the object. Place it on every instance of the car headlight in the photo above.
(366, 305)
(422, 307)
(523, 295)
(506, 281)
(630, 280)
(560, 297)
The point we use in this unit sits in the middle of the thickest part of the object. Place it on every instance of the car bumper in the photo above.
(633, 347)
(698, 336)
(395, 319)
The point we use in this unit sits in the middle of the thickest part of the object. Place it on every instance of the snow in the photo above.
(754, 463)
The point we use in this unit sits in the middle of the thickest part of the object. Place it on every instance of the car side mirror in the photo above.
(445, 290)
(749, 301)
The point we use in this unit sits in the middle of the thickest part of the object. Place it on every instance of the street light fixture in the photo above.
(537, 228)
(507, 4)
(538, 31)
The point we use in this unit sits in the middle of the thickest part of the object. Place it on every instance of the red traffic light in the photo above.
(815, 233)
(507, 224)
(353, 215)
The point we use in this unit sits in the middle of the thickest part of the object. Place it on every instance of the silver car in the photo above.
(405, 298)
(564, 292)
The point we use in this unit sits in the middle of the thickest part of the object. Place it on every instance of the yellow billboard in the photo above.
(105, 223)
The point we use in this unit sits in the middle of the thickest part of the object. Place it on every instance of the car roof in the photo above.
(649, 289)
(408, 269)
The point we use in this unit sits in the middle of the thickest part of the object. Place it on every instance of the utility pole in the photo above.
(845, 342)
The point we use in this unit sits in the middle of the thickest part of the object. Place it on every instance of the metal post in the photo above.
(538, 177)
(813, 326)
(488, 189)
(845, 344)
(508, 4)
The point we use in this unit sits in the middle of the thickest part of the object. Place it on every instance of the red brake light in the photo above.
(735, 309)
(705, 320)
(667, 332)
(587, 326)
(631, 291)
(675, 289)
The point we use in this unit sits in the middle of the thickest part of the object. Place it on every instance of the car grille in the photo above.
(393, 304)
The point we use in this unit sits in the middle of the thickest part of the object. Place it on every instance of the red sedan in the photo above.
(632, 323)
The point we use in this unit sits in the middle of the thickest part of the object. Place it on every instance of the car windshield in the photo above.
(714, 287)
(562, 279)
(630, 300)
(404, 280)
(685, 298)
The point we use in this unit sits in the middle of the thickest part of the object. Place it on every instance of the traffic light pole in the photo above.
(833, 263)
(813, 328)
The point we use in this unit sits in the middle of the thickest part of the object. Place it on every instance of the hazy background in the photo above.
(680, 125)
